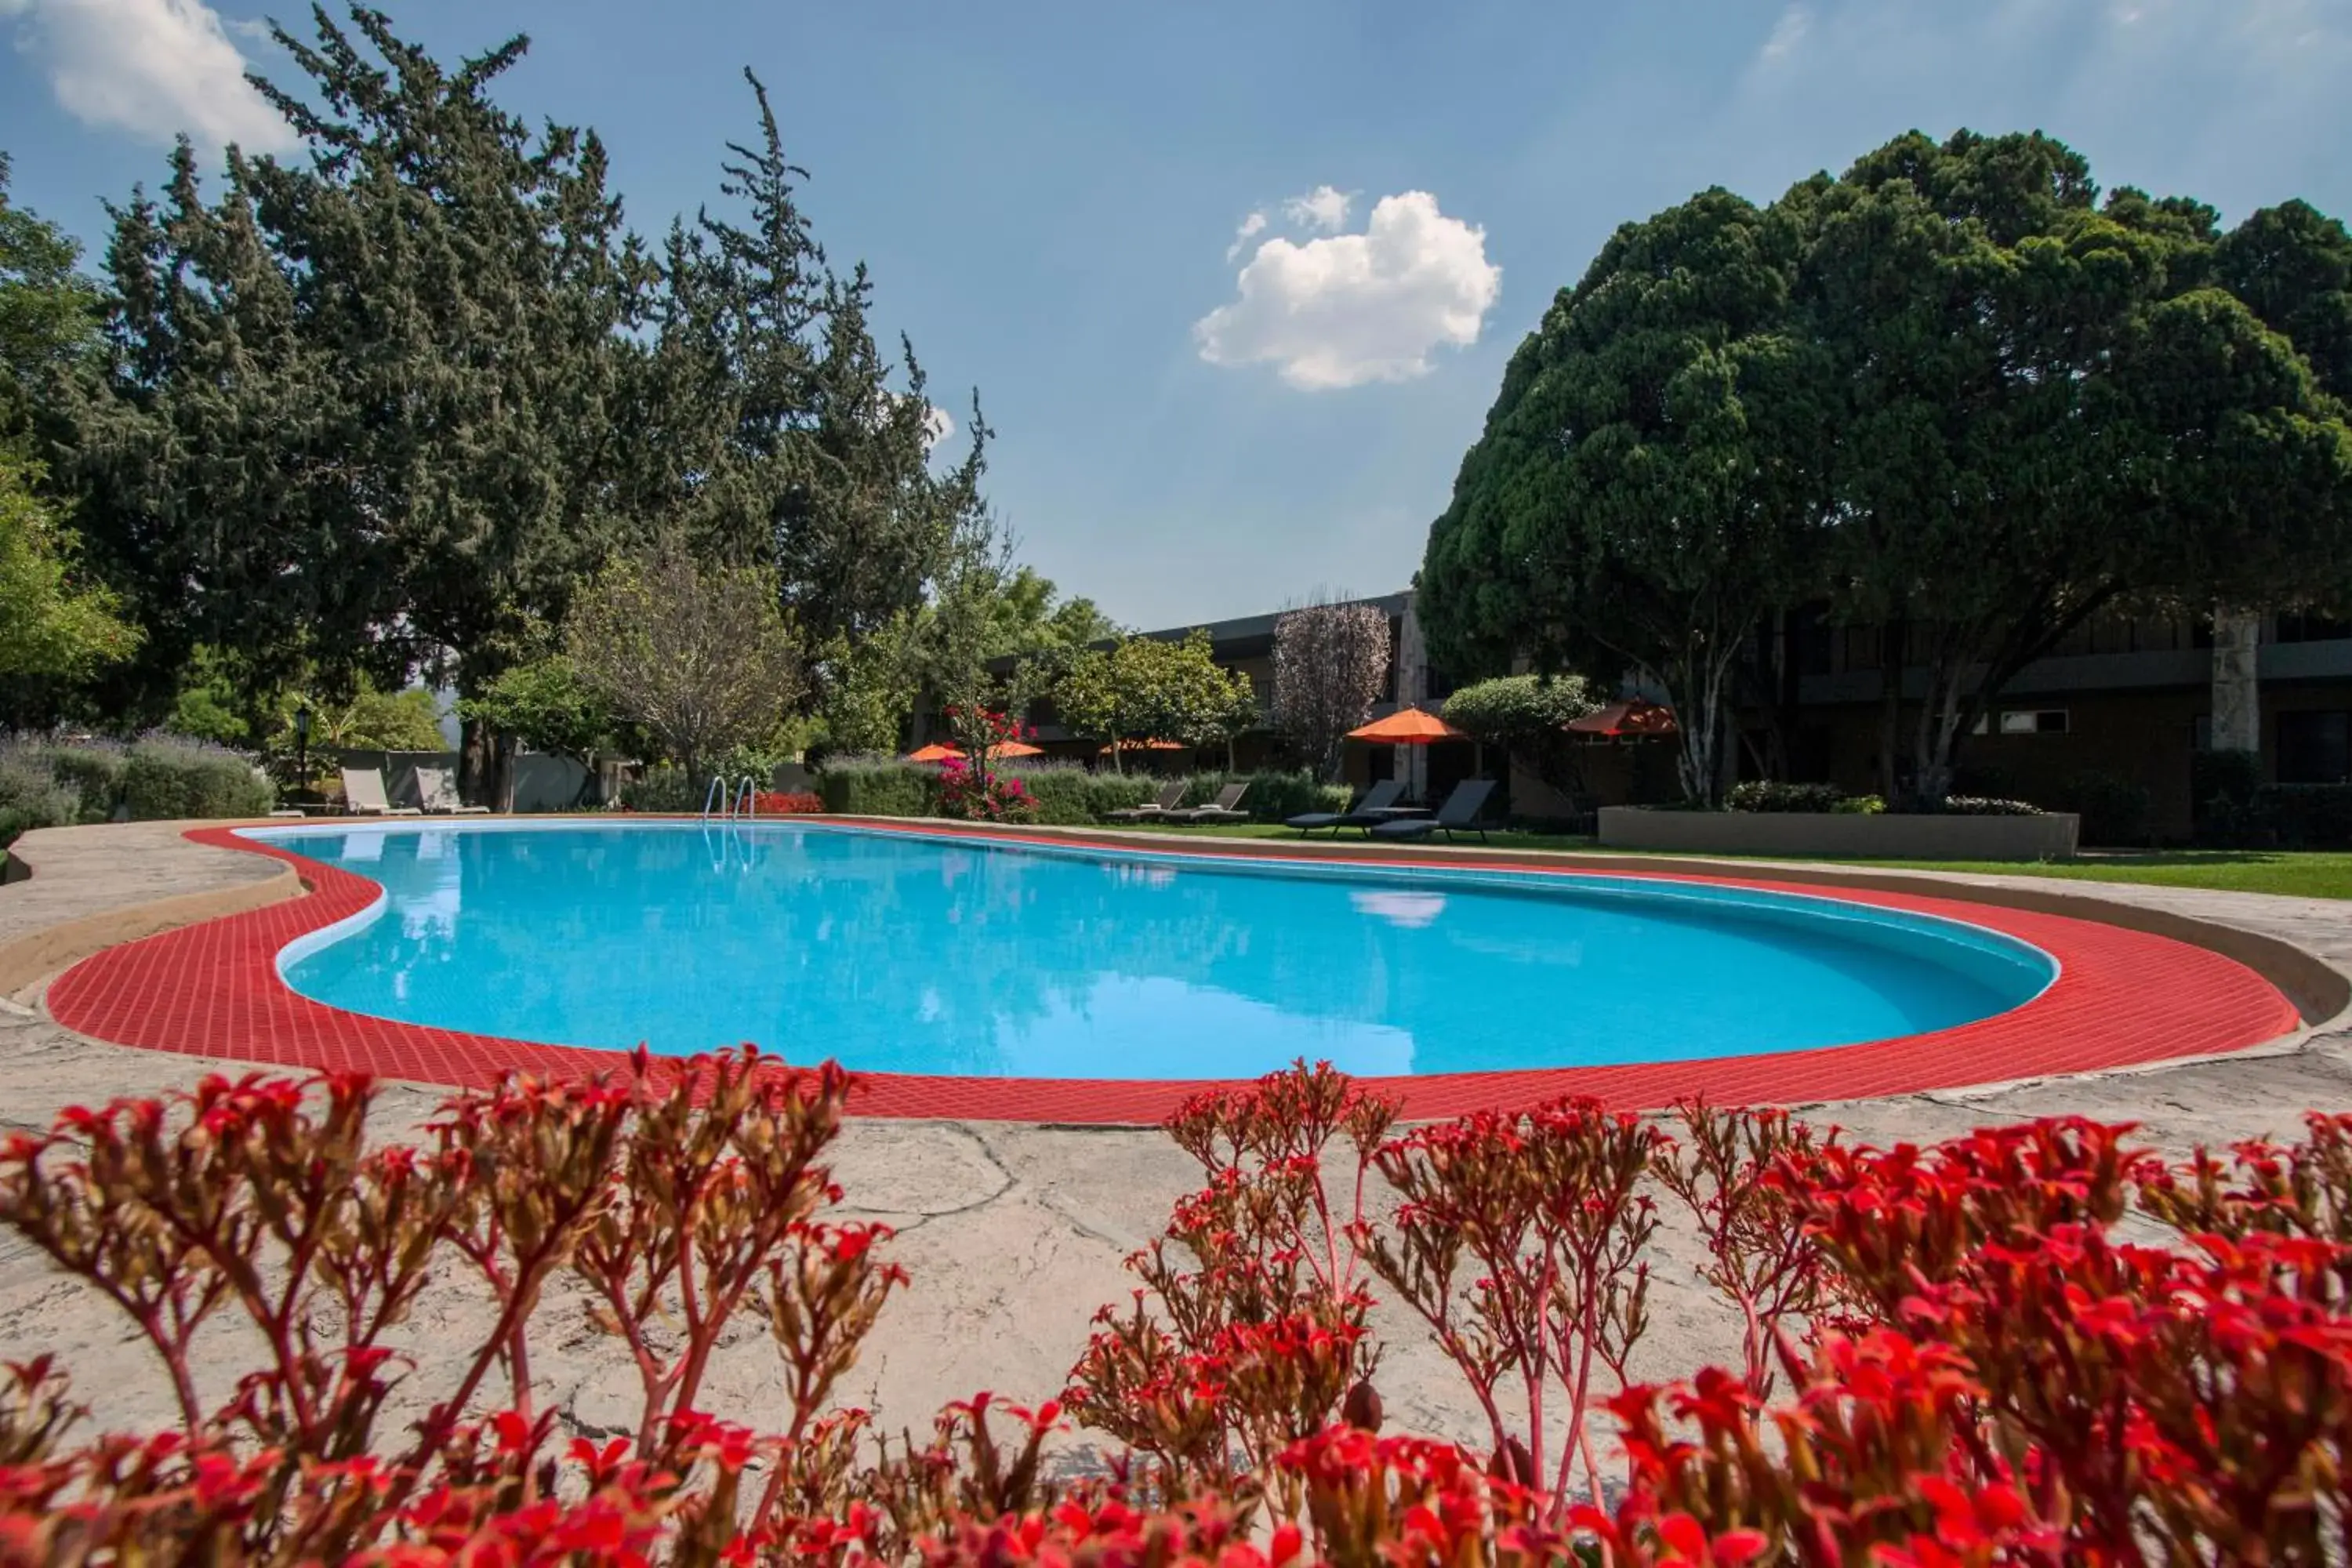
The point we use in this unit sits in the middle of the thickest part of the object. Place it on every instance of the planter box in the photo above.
(1808, 834)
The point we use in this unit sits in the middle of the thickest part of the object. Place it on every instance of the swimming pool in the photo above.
(900, 952)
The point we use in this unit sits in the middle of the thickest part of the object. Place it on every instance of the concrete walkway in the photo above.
(1013, 1234)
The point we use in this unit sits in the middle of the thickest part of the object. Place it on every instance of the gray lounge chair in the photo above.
(1168, 795)
(1378, 798)
(363, 793)
(1222, 811)
(439, 797)
(1458, 815)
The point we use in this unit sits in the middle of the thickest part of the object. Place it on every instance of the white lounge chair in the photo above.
(363, 793)
(439, 796)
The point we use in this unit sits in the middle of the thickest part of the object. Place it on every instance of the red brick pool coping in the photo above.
(2122, 998)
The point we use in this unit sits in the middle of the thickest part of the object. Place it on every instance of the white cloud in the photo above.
(1322, 208)
(1786, 33)
(1251, 226)
(1355, 308)
(154, 67)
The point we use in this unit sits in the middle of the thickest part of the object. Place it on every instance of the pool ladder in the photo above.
(726, 804)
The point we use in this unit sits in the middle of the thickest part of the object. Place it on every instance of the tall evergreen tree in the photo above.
(803, 445)
(361, 411)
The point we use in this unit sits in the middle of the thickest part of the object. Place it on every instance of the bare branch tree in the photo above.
(1330, 662)
(700, 657)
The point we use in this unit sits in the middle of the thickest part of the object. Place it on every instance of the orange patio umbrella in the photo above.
(1408, 727)
(934, 753)
(1624, 720)
(1017, 749)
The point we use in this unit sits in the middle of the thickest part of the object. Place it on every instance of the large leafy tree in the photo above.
(49, 311)
(699, 658)
(2044, 411)
(1645, 488)
(1152, 688)
(53, 625)
(358, 412)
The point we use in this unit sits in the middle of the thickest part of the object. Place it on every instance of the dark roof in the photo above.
(1245, 636)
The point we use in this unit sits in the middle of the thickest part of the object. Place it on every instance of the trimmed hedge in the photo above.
(1066, 795)
(855, 788)
(166, 781)
(1072, 798)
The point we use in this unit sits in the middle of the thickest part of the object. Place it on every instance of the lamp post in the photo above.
(302, 747)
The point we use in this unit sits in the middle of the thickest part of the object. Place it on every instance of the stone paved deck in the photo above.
(1013, 1234)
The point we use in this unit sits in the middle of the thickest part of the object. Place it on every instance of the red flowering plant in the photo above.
(1248, 1330)
(1520, 1242)
(786, 803)
(1760, 1257)
(971, 787)
(1978, 1367)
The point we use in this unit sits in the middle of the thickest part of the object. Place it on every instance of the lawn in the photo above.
(2309, 874)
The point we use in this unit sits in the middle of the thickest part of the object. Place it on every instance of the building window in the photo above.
(2034, 722)
(2303, 626)
(2315, 748)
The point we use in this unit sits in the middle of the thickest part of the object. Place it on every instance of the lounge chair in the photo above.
(439, 796)
(1223, 811)
(1458, 815)
(1168, 795)
(363, 793)
(1378, 798)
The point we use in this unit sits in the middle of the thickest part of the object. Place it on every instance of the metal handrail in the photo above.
(714, 796)
(747, 799)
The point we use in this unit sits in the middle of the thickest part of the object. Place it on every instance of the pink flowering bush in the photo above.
(1948, 1354)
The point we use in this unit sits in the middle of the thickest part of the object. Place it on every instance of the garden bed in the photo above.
(2048, 837)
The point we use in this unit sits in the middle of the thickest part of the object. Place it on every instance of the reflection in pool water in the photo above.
(902, 954)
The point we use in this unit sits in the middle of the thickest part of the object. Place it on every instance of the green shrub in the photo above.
(95, 772)
(886, 788)
(1072, 798)
(662, 789)
(1861, 806)
(171, 780)
(2305, 817)
(2115, 811)
(1987, 805)
(1772, 796)
(31, 797)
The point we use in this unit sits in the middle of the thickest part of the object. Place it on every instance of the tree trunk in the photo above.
(502, 773)
(474, 762)
(2237, 722)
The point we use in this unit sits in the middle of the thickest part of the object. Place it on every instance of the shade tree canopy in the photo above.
(1153, 689)
(1949, 393)
(1641, 496)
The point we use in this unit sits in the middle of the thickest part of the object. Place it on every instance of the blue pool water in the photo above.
(902, 954)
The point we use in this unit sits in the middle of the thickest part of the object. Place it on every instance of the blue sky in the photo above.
(1194, 423)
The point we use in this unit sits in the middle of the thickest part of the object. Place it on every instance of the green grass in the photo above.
(2309, 874)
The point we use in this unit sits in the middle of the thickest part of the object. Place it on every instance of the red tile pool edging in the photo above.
(2122, 998)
